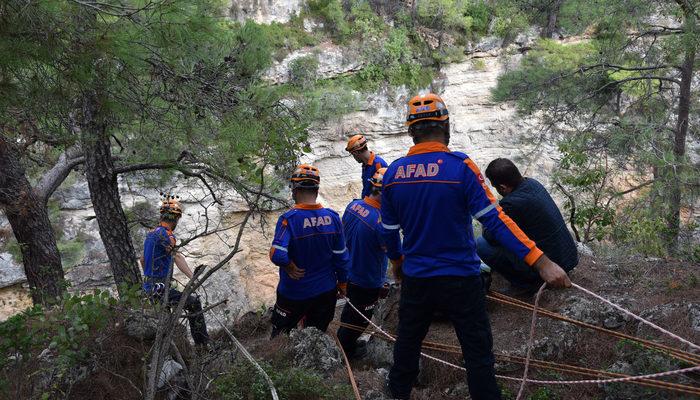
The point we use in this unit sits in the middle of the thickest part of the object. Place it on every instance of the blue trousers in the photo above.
(514, 269)
(462, 300)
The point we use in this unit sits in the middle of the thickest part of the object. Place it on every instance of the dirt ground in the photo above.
(642, 284)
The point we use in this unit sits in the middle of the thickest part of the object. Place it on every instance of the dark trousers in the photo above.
(365, 300)
(317, 311)
(198, 326)
(514, 269)
(462, 301)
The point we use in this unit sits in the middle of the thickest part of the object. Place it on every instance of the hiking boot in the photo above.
(387, 389)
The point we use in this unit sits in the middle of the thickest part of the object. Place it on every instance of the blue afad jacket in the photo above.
(375, 162)
(157, 254)
(312, 237)
(363, 236)
(432, 195)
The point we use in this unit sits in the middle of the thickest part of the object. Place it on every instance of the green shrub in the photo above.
(303, 71)
(244, 382)
(285, 38)
(478, 64)
(333, 16)
(641, 232)
(366, 24)
(329, 101)
(543, 393)
(480, 14)
(64, 329)
(72, 252)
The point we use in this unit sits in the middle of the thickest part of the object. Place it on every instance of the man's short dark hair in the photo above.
(307, 190)
(502, 171)
(429, 128)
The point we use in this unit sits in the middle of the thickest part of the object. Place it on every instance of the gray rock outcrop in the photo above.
(314, 350)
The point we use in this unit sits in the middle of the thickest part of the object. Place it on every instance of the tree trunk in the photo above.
(552, 16)
(679, 139)
(104, 193)
(30, 224)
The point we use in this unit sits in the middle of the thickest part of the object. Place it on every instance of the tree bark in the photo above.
(679, 139)
(552, 16)
(104, 193)
(30, 224)
(53, 178)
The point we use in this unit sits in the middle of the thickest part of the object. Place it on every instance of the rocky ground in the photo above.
(665, 292)
(308, 364)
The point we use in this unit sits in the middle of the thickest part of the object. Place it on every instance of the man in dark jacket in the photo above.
(529, 205)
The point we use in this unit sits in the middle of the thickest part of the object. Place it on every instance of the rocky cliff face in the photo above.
(264, 11)
(480, 128)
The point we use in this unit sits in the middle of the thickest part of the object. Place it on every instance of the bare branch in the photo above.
(53, 178)
(572, 215)
(174, 165)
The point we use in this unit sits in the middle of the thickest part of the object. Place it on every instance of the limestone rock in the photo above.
(314, 350)
(595, 312)
(141, 325)
(170, 369)
(11, 273)
(584, 249)
(264, 11)
(380, 352)
(667, 315)
(332, 61)
(636, 360)
(694, 316)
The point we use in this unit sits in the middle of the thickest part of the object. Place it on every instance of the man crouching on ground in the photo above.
(529, 205)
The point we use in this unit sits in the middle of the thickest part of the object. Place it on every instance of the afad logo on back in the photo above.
(417, 171)
(317, 221)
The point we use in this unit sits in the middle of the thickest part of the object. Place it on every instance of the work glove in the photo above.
(342, 289)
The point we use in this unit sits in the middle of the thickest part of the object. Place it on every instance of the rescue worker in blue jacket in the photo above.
(159, 255)
(371, 163)
(309, 247)
(367, 276)
(432, 194)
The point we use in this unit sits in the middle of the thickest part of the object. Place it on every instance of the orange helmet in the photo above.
(170, 206)
(357, 142)
(305, 176)
(377, 178)
(426, 107)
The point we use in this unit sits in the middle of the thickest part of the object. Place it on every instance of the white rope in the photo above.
(250, 358)
(588, 381)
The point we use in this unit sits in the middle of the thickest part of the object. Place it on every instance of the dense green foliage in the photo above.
(62, 331)
(611, 106)
(179, 78)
